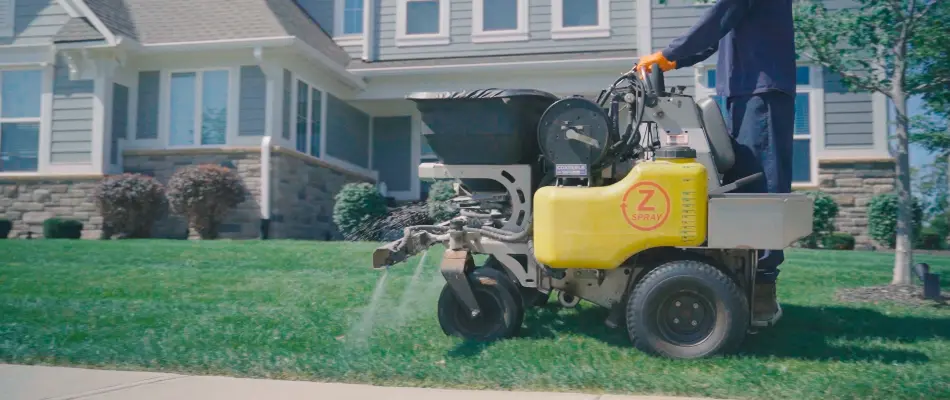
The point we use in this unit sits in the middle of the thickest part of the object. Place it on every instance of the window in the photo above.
(348, 21)
(20, 105)
(309, 113)
(120, 119)
(422, 22)
(198, 108)
(804, 165)
(499, 20)
(575, 19)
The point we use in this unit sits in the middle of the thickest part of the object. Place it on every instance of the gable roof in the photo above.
(153, 22)
(78, 30)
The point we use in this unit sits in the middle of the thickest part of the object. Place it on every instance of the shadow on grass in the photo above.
(805, 333)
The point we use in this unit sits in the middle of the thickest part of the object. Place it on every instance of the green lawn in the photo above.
(291, 310)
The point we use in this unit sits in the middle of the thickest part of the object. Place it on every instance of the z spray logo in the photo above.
(645, 206)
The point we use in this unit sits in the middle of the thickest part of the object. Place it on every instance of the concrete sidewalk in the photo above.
(22, 382)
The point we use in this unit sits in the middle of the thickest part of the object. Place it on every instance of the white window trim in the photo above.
(816, 113)
(432, 39)
(344, 39)
(480, 35)
(45, 120)
(601, 30)
(294, 113)
(8, 22)
(234, 95)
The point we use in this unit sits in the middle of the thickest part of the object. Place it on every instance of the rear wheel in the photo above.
(501, 312)
(687, 309)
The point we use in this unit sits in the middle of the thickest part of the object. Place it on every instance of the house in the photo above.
(303, 96)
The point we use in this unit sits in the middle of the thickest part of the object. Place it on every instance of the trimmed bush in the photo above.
(439, 205)
(5, 227)
(204, 195)
(57, 228)
(882, 219)
(823, 219)
(357, 209)
(838, 241)
(130, 204)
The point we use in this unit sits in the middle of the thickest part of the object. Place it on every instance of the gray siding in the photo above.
(71, 140)
(848, 116)
(253, 101)
(147, 110)
(36, 21)
(670, 21)
(622, 24)
(392, 151)
(347, 132)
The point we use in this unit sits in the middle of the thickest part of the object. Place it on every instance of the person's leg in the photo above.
(762, 126)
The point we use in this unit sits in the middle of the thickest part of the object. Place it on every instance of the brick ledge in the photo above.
(855, 160)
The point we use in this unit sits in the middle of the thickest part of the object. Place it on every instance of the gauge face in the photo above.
(574, 131)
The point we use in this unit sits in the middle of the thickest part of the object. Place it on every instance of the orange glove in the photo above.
(646, 63)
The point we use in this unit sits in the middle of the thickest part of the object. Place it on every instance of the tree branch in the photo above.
(926, 87)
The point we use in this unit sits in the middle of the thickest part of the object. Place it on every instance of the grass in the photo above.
(288, 310)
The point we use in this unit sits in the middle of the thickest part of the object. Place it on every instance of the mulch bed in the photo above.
(901, 294)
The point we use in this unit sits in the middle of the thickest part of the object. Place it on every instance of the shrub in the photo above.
(930, 239)
(882, 219)
(56, 228)
(838, 241)
(130, 204)
(823, 219)
(357, 209)
(439, 205)
(204, 195)
(5, 227)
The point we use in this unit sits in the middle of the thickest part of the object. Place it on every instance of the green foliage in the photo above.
(5, 227)
(930, 184)
(205, 194)
(439, 205)
(930, 240)
(57, 228)
(882, 218)
(823, 219)
(357, 209)
(838, 241)
(130, 204)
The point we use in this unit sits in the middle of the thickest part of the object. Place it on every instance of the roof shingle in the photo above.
(178, 21)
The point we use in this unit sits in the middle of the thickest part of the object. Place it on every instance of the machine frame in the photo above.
(730, 245)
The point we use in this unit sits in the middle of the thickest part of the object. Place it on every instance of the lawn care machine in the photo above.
(561, 200)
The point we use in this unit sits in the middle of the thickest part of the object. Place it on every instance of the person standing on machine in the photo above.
(756, 74)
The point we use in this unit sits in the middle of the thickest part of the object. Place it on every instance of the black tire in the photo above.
(530, 297)
(686, 310)
(501, 311)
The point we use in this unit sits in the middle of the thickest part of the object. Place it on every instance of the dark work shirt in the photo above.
(756, 44)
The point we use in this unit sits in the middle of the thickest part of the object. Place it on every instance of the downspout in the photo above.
(265, 187)
(369, 30)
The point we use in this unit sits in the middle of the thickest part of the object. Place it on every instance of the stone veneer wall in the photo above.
(853, 184)
(303, 195)
(244, 220)
(27, 202)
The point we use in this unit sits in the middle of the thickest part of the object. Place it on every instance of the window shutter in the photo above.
(802, 127)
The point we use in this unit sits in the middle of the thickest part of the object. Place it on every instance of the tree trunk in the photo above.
(903, 254)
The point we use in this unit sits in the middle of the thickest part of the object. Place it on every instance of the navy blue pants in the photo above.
(763, 126)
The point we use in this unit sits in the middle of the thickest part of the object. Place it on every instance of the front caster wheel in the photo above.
(567, 300)
(687, 309)
(501, 312)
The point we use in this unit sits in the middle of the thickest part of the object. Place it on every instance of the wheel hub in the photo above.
(686, 318)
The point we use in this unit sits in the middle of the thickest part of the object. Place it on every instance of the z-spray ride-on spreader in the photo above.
(637, 221)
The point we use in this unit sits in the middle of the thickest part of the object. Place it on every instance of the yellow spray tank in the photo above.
(659, 203)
